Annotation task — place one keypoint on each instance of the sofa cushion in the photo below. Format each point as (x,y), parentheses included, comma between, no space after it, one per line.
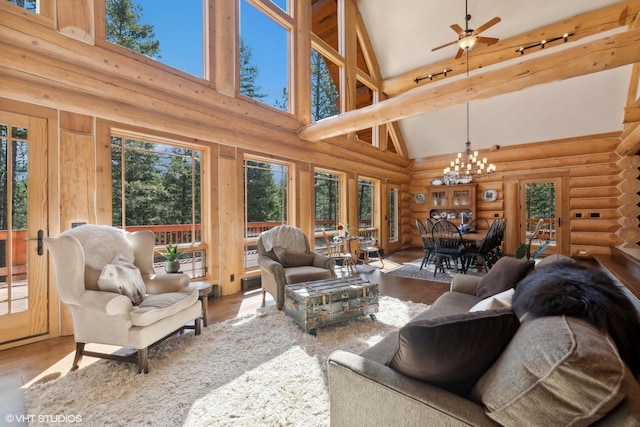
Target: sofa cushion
(293,259)
(555,371)
(449,303)
(550,259)
(504,274)
(501,300)
(568,288)
(124,278)
(156,307)
(452,352)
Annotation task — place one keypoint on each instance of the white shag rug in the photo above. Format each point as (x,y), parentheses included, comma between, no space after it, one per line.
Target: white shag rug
(257,370)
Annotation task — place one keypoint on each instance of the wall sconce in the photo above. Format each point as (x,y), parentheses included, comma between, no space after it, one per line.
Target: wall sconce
(542,43)
(431,76)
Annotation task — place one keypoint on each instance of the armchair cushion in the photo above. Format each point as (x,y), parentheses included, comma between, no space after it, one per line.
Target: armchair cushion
(159,306)
(124,278)
(305,273)
(452,352)
(293,259)
(505,274)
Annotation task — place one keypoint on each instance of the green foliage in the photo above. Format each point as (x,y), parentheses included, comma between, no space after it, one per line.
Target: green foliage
(124,28)
(172,253)
(327,198)
(30,5)
(540,200)
(324,93)
(248,74)
(365,202)
(265,196)
(161,184)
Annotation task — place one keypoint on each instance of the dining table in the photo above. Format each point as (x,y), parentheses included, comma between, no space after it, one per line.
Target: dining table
(474,237)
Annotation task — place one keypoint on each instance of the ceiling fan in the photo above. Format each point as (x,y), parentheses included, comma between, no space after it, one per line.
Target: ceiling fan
(468,37)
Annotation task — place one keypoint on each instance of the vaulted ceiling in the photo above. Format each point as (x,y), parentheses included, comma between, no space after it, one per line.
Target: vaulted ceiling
(403,34)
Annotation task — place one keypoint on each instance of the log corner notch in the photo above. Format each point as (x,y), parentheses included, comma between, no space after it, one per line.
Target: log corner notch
(629,232)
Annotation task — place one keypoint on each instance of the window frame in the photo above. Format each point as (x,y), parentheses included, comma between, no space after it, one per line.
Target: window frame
(251,241)
(190,248)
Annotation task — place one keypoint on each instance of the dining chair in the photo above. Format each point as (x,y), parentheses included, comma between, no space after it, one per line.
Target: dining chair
(500,230)
(485,250)
(424,230)
(448,245)
(479,224)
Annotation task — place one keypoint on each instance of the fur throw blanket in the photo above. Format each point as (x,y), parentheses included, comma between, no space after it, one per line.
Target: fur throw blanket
(574,290)
(286,236)
(101,244)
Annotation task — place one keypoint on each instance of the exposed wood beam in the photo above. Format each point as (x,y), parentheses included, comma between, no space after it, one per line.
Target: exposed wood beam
(630,143)
(583,25)
(631,114)
(590,57)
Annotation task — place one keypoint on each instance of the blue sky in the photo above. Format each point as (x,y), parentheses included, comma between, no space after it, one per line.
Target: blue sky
(180,32)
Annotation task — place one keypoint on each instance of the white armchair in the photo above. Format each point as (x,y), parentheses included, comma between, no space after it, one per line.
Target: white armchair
(97,274)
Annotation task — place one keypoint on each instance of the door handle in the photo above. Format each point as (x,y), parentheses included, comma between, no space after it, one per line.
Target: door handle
(40,240)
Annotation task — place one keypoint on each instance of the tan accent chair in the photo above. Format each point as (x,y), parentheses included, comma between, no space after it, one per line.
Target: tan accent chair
(109,317)
(285,258)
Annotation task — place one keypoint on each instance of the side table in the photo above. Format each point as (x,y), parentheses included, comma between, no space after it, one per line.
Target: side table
(204,289)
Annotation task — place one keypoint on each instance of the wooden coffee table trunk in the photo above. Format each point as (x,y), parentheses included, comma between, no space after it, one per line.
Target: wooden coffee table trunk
(324,302)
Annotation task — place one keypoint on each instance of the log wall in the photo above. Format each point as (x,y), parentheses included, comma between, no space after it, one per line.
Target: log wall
(600,187)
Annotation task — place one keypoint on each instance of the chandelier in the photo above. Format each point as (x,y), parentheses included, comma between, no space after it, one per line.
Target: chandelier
(467,166)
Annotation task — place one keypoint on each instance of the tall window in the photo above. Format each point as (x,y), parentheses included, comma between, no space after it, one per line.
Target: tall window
(157,186)
(393,215)
(174,38)
(264,56)
(266,201)
(324,90)
(327,200)
(366,207)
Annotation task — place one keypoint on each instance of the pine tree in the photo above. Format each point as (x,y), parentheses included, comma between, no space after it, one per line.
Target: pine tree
(248,74)
(264,198)
(324,93)
(124,28)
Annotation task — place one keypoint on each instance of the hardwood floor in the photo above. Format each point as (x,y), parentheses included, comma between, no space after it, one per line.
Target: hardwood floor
(42,361)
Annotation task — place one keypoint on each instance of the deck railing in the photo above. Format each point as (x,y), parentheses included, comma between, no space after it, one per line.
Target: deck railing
(174,234)
(547,230)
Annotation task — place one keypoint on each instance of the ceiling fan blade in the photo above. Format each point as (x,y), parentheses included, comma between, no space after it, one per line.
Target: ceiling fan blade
(444,45)
(459,53)
(487,40)
(487,24)
(458,29)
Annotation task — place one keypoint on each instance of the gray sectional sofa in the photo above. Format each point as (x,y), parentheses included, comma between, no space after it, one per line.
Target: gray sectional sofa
(453,367)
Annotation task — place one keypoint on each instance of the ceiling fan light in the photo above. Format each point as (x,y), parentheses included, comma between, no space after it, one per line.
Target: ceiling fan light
(467,42)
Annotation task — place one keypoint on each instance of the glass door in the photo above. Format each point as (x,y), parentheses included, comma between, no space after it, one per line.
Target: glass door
(23,278)
(541,215)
